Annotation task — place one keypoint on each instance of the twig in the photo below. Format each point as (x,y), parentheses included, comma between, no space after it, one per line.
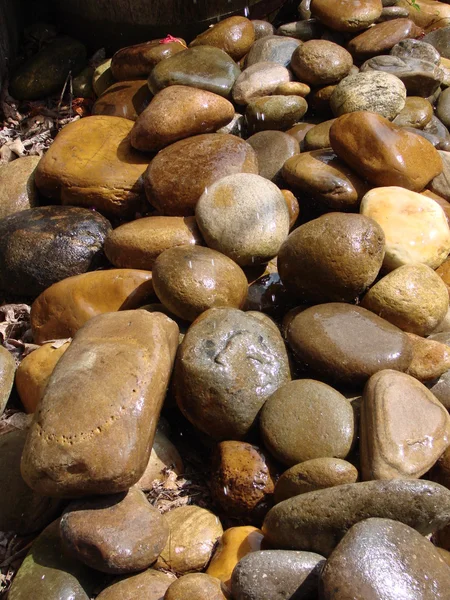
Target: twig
(68,78)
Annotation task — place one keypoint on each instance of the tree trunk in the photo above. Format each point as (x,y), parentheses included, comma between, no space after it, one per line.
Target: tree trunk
(9,35)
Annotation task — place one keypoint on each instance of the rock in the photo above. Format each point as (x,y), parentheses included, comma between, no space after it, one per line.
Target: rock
(127,99)
(299,131)
(203,67)
(120,533)
(228,364)
(306,30)
(235,35)
(277,574)
(197,585)
(380,558)
(440,473)
(293,207)
(41,246)
(411,297)
(17,188)
(272,48)
(320,62)
(104,173)
(164,456)
(45,73)
(417,113)
(138,61)
(179,112)
(48,573)
(331,340)
(382,37)
(340,15)
(193,534)
(411,48)
(415,226)
(150,584)
(103,77)
(444,273)
(431,359)
(393,12)
(274,112)
(441,183)
(404,428)
(441,389)
(318,520)
(443,107)
(260,79)
(307,419)
(273,149)
(67,305)
(314,474)
(235,127)
(80,450)
(256,214)
(262,28)
(439,39)
(82,84)
(21,509)
(191,279)
(317,264)
(318,137)
(373,91)
(7,371)
(234,544)
(179,174)
(293,88)
(429,16)
(326,178)
(34,371)
(242,480)
(402,158)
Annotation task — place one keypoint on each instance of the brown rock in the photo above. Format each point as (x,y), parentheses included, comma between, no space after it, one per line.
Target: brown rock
(299,132)
(104,172)
(150,584)
(318,137)
(179,174)
(431,358)
(293,207)
(125,99)
(341,15)
(197,585)
(103,77)
(275,112)
(260,79)
(235,35)
(383,153)
(67,305)
(417,113)
(100,442)
(273,149)
(179,112)
(432,14)
(319,100)
(404,428)
(442,203)
(320,62)
(444,273)
(7,371)
(293,88)
(17,188)
(440,473)
(164,456)
(382,37)
(134,62)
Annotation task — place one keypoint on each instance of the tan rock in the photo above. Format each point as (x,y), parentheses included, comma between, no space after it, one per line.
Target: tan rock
(382,37)
(94,427)
(164,456)
(293,88)
(318,136)
(444,273)
(125,99)
(299,132)
(275,112)
(273,149)
(65,306)
(260,79)
(341,15)
(134,62)
(149,584)
(293,207)
(235,35)
(320,62)
(431,358)
(197,585)
(417,113)
(432,14)
(17,188)
(103,77)
(7,371)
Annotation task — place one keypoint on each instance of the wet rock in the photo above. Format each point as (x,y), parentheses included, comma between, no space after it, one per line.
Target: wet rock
(320,62)
(411,48)
(164,456)
(150,584)
(82,84)
(275,112)
(197,585)
(382,37)
(272,48)
(340,15)
(417,113)
(439,39)
(235,35)
(103,77)
(443,107)
(7,370)
(137,62)
(17,188)
(260,79)
(273,149)
(127,99)
(308,29)
(431,358)
(262,28)
(318,137)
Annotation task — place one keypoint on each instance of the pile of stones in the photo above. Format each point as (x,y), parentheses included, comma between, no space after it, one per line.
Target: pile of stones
(250,233)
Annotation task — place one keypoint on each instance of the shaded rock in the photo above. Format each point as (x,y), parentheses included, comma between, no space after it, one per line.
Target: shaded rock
(441,183)
(137,62)
(103,77)
(439,39)
(7,370)
(127,99)
(318,137)
(82,83)
(301,30)
(164,456)
(273,149)
(17,188)
(235,35)
(272,48)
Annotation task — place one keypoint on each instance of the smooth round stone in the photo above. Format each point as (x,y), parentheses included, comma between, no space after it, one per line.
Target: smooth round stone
(382,37)
(341,15)
(179,112)
(437,128)
(443,107)
(45,73)
(272,48)
(82,84)
(439,39)
(164,457)
(235,35)
(103,77)
(318,137)
(193,533)
(314,474)
(431,359)
(17,188)
(376,92)
(190,279)
(293,88)
(319,100)
(317,521)
(293,207)
(320,62)
(440,473)
(256,215)
(150,584)
(444,273)
(421,78)
(411,48)
(47,572)
(235,543)
(273,149)
(331,340)
(381,558)
(260,79)
(125,99)
(228,364)
(415,226)
(326,178)
(392,12)
(41,246)
(262,28)
(404,428)
(115,534)
(196,585)
(280,574)
(275,112)
(137,62)
(203,67)
(304,30)
(384,154)
(441,183)
(317,265)
(63,308)
(136,245)
(242,480)
(416,113)
(180,173)
(103,172)
(412,297)
(299,132)
(34,372)
(307,419)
